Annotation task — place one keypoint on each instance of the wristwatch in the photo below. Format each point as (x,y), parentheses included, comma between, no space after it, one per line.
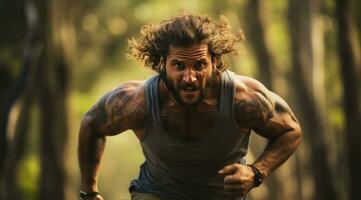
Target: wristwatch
(86,195)
(258,177)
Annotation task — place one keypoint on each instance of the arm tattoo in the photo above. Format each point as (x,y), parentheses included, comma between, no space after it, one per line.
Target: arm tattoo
(267,115)
(127,110)
(252,111)
(119,110)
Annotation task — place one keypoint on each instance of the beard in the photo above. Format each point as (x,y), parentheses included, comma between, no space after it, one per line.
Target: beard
(200,85)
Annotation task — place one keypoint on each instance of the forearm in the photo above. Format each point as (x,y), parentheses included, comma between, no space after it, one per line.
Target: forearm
(90,151)
(277,151)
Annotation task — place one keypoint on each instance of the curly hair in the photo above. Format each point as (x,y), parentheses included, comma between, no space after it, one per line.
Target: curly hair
(183,30)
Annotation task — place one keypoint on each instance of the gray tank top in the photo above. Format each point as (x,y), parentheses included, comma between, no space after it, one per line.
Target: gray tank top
(178,170)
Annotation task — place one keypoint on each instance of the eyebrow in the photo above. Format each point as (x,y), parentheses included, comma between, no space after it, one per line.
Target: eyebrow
(173,60)
(176,60)
(202,60)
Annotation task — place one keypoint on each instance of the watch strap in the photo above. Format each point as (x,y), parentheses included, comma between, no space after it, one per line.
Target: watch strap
(258,177)
(86,195)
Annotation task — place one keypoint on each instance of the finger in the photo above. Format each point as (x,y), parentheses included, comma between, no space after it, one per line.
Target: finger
(232,179)
(233,188)
(229,169)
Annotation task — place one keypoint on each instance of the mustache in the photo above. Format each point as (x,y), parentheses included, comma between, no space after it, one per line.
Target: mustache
(189,85)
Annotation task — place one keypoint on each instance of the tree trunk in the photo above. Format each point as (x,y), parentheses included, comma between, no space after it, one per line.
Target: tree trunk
(53,91)
(23,90)
(310,114)
(347,41)
(54,129)
(18,145)
(16,152)
(257,36)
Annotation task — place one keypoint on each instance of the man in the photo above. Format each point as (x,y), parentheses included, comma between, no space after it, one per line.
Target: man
(193,119)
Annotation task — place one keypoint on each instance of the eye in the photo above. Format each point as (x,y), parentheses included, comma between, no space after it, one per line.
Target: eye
(199,66)
(179,66)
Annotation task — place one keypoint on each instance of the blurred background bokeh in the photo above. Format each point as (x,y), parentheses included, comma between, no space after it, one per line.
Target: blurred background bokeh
(58,57)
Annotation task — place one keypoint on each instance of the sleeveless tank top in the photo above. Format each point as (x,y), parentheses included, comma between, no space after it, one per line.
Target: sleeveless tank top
(179,170)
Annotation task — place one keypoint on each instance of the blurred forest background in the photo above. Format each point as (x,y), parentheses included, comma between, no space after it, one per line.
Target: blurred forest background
(57,57)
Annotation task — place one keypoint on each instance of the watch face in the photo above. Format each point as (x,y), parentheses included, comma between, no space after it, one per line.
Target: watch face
(259,180)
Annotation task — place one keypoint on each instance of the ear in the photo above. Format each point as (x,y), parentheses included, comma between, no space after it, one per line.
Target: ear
(162,63)
(215,61)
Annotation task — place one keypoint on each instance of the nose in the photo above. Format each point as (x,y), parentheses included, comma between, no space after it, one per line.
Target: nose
(189,76)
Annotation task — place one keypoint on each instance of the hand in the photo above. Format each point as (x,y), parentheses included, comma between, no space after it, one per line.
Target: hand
(98,197)
(237,178)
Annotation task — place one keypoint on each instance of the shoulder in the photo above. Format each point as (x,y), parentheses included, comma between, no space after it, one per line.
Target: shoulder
(130,93)
(248,89)
(120,109)
(254,103)
(262,110)
(248,84)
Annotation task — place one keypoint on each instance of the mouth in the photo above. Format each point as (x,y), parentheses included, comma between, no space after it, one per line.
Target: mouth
(189,89)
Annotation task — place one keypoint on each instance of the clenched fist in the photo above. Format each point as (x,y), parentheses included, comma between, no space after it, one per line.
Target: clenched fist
(237,178)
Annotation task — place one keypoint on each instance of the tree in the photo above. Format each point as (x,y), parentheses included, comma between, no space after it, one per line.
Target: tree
(58,32)
(256,34)
(311,118)
(43,81)
(347,43)
(22,92)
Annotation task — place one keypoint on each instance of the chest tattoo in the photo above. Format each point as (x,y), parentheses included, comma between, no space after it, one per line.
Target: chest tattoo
(188,125)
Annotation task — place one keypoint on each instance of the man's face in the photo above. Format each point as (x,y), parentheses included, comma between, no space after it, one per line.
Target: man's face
(188,73)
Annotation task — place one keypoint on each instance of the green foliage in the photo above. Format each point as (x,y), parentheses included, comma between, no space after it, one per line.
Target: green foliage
(29,176)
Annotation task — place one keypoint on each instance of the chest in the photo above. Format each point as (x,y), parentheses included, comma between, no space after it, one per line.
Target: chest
(188,125)
(194,139)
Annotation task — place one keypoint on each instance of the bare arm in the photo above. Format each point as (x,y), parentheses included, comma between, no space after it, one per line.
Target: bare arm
(115,112)
(274,120)
(269,116)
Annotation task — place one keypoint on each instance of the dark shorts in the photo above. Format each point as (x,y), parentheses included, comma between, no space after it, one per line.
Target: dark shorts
(143,196)
(137,194)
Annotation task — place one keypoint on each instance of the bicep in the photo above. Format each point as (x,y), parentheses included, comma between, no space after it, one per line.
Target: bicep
(280,118)
(125,109)
(102,116)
